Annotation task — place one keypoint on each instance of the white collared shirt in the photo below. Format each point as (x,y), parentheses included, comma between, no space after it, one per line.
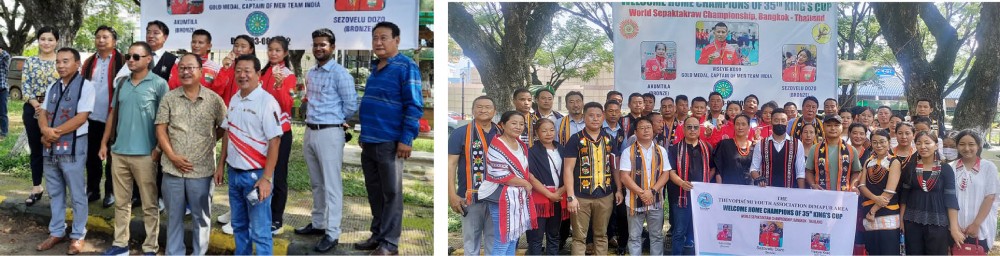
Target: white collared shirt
(800,158)
(977,185)
(647,155)
(251,122)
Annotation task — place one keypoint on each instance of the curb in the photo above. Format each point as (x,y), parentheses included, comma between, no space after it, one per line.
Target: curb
(219,242)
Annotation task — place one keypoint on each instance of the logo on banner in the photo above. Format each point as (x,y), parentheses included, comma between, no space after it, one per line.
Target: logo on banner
(628,28)
(704,200)
(821,33)
(724,87)
(257,23)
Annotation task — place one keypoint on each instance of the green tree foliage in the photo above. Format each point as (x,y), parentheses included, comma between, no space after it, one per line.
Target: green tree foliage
(573,50)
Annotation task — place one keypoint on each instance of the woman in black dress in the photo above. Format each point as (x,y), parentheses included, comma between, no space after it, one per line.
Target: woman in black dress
(545,166)
(880,205)
(733,156)
(929,203)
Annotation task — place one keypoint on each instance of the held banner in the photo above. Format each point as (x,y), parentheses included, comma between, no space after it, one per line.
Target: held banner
(750,220)
(350,20)
(777,51)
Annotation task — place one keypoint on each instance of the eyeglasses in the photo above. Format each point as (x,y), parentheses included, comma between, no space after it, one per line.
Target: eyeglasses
(134,57)
(692,127)
(191,68)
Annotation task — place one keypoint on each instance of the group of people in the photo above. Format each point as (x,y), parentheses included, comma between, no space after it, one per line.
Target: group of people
(594,173)
(148,121)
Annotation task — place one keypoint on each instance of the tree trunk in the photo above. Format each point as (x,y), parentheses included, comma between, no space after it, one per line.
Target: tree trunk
(16,35)
(504,66)
(977,107)
(66,16)
(905,41)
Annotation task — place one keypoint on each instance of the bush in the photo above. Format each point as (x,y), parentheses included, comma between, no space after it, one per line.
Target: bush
(360,74)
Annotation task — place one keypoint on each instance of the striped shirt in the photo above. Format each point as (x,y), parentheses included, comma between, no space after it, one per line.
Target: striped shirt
(4,63)
(392,103)
(331,94)
(252,121)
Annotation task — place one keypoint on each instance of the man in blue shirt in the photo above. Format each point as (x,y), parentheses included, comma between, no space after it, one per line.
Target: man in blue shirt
(392,106)
(332,98)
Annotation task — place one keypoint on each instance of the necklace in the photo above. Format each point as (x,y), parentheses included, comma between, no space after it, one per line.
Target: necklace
(740,150)
(927,184)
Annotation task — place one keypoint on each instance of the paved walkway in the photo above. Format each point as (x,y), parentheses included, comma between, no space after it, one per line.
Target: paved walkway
(417,237)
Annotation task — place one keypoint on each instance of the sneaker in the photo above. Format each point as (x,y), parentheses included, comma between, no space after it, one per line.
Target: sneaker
(161,205)
(224,218)
(276,230)
(228,228)
(115,250)
(187,212)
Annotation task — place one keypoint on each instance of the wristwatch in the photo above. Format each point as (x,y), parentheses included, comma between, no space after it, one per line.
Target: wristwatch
(569,199)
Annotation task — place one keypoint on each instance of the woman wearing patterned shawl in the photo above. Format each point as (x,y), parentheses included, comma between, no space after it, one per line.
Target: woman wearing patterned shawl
(506,188)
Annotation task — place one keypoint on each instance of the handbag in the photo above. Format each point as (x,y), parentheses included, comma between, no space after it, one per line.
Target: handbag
(968,249)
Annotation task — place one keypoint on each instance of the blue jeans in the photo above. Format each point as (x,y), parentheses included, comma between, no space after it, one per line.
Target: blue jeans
(500,248)
(683,236)
(4,122)
(250,222)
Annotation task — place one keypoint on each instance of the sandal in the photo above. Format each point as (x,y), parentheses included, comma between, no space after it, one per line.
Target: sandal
(33,198)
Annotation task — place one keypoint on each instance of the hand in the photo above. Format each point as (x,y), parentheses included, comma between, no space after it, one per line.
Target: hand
(881,201)
(264,186)
(228,61)
(870,216)
(49,135)
(347,127)
(573,206)
(182,163)
(103,153)
(816,187)
(403,151)
(619,199)
(527,186)
(155,155)
(957,236)
(279,75)
(972,231)
(554,197)
(647,197)
(456,204)
(687,186)
(561,191)
(219,177)
(762,184)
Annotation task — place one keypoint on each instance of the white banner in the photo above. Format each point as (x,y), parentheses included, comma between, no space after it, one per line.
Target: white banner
(750,220)
(777,51)
(350,20)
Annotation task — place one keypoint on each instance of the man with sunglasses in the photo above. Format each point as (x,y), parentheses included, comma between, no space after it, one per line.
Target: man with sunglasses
(100,69)
(133,109)
(691,160)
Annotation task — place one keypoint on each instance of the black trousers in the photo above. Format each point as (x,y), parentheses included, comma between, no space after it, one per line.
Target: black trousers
(281,181)
(548,228)
(34,143)
(384,183)
(926,239)
(882,242)
(618,226)
(95,167)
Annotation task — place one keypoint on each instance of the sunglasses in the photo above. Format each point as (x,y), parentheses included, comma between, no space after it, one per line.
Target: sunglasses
(134,57)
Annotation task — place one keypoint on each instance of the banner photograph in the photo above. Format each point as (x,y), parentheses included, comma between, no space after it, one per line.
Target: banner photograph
(351,20)
(748,220)
(780,49)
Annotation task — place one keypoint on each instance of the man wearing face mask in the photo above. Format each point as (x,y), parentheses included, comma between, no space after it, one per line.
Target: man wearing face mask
(777,166)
